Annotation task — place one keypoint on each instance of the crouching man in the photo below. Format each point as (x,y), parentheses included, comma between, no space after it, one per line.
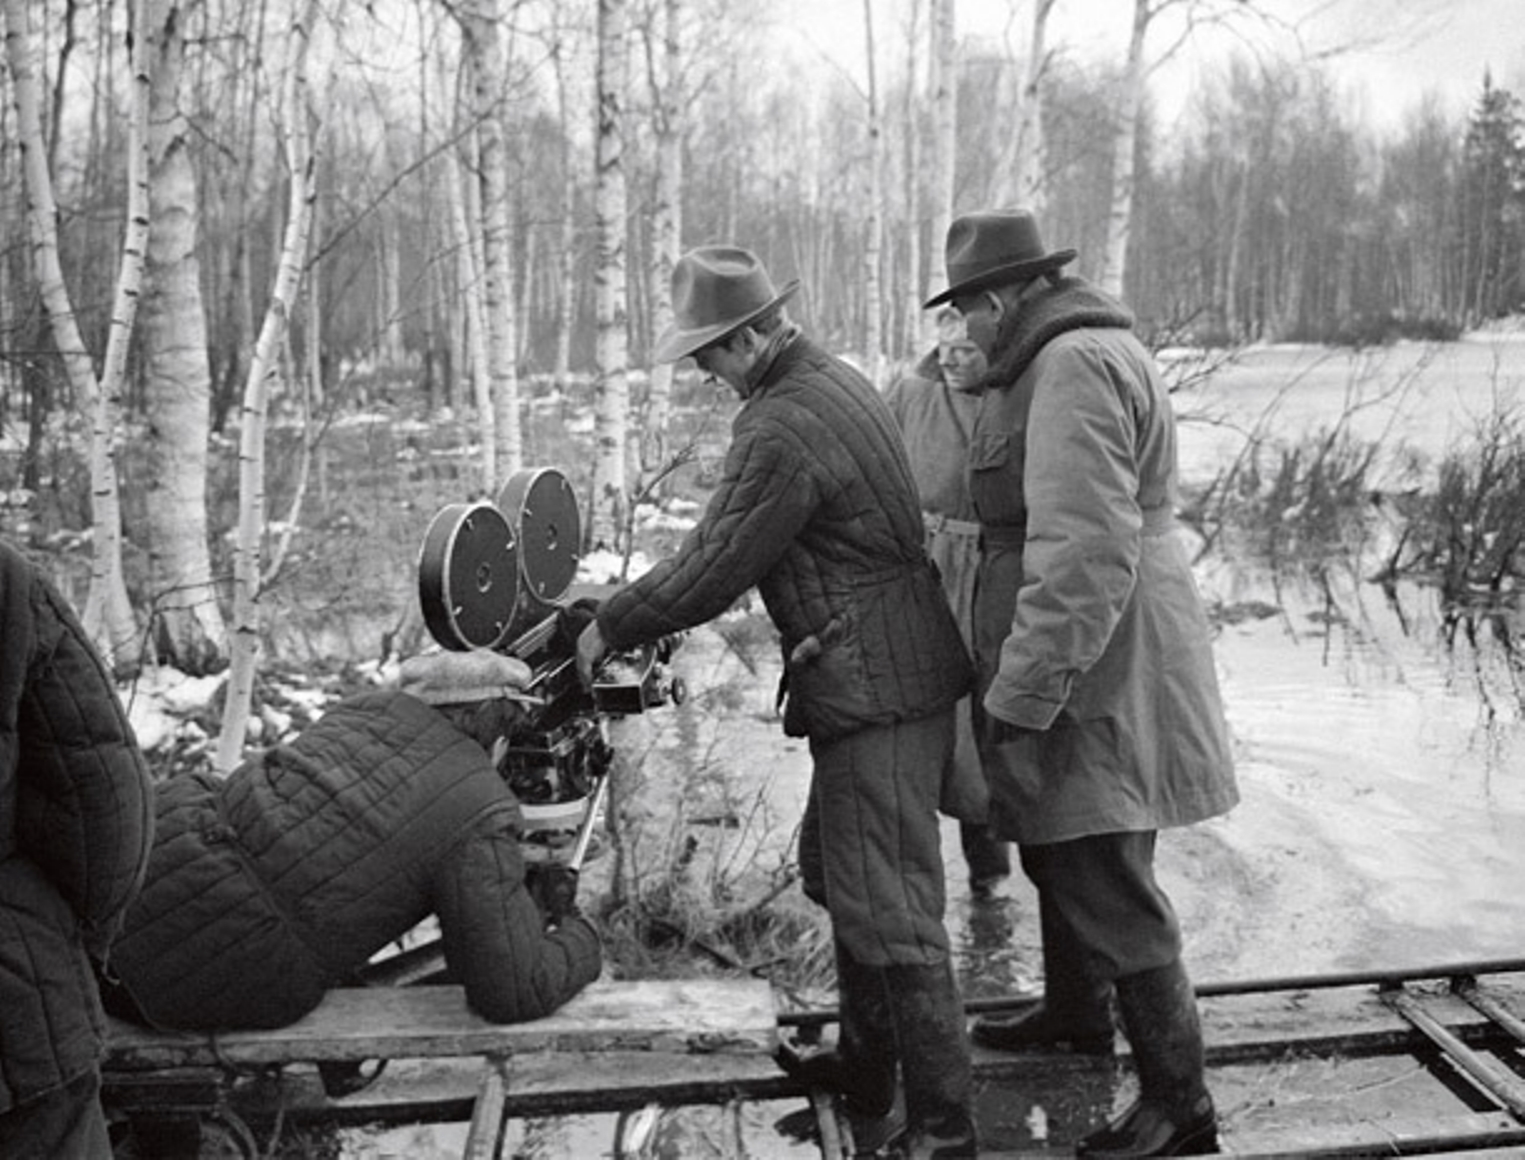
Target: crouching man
(271,886)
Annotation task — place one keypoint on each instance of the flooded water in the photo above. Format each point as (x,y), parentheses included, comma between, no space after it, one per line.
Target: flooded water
(1382,772)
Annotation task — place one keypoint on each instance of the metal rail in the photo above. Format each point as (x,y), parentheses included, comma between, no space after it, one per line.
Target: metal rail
(1491,1077)
(1489,1004)
(1380,976)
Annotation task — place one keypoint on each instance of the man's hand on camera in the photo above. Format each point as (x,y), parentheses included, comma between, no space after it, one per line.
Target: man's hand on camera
(591,649)
(554,889)
(572,619)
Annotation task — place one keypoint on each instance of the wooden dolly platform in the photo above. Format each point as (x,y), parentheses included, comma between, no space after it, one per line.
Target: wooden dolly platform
(187,1079)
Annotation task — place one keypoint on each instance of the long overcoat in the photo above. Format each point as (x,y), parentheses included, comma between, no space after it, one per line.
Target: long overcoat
(1089,630)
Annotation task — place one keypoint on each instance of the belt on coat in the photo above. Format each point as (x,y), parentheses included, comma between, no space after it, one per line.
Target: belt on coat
(946,526)
(1157,521)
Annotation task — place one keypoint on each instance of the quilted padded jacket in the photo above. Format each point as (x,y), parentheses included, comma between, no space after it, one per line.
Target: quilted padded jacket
(818,509)
(268,888)
(75,823)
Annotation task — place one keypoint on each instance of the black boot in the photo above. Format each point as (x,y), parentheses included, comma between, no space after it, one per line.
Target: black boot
(934,1060)
(1042,1028)
(864,1067)
(1076,1012)
(1173,1115)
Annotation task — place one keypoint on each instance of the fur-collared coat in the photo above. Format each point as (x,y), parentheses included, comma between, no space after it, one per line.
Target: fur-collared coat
(75,823)
(1089,630)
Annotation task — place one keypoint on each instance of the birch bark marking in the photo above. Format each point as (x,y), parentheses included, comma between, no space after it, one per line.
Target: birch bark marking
(479,25)
(612,389)
(1120,216)
(251,447)
(187,626)
(108,616)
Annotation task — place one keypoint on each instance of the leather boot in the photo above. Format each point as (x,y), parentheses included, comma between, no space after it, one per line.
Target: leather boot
(1173,1115)
(864,1067)
(934,1060)
(1075,1014)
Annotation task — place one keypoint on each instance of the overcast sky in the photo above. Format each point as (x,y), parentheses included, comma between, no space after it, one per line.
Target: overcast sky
(1388,53)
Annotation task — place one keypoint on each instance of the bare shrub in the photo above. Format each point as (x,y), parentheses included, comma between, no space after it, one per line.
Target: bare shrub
(1466,536)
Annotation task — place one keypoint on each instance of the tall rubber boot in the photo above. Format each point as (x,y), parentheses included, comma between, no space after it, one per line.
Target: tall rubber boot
(1075,1013)
(864,1067)
(934,1055)
(1173,1115)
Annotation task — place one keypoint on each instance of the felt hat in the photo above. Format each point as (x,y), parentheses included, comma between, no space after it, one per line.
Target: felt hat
(716,290)
(994,247)
(461,678)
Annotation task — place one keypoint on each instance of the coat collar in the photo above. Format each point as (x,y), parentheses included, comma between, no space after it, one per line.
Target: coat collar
(1068,304)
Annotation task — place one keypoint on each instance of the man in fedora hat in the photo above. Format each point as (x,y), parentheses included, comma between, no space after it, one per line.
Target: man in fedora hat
(817,508)
(1100,718)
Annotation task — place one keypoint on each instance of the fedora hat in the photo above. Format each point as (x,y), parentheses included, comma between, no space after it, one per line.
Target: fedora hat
(993,247)
(716,290)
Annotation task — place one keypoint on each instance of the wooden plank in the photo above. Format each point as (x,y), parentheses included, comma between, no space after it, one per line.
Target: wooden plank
(486,1132)
(1386,1136)
(696,1015)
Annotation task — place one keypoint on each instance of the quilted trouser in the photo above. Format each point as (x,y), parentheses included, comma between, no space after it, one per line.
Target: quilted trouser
(870,845)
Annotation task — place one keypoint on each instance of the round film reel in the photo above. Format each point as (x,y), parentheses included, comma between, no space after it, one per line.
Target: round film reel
(542,508)
(468,576)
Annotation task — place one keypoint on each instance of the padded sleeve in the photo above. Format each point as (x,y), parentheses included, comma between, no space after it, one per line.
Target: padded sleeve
(495,939)
(85,804)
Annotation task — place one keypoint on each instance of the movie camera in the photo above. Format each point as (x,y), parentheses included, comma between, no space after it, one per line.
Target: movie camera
(498,575)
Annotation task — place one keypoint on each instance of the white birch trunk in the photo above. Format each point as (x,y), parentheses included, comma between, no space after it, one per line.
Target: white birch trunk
(479,23)
(1031,158)
(479,363)
(612,389)
(251,450)
(1120,214)
(941,157)
(108,616)
(567,312)
(873,242)
(188,630)
(915,179)
(667,232)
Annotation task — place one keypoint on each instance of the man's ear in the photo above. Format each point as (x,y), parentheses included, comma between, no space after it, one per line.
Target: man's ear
(997,304)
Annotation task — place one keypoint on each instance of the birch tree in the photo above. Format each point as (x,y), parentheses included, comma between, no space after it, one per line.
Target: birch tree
(943,82)
(566,313)
(108,616)
(479,361)
(239,694)
(187,628)
(612,388)
(1029,163)
(668,100)
(480,21)
(1192,14)
(911,334)
(873,227)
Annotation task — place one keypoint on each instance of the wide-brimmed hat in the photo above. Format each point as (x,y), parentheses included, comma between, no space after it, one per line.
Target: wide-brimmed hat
(716,290)
(994,247)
